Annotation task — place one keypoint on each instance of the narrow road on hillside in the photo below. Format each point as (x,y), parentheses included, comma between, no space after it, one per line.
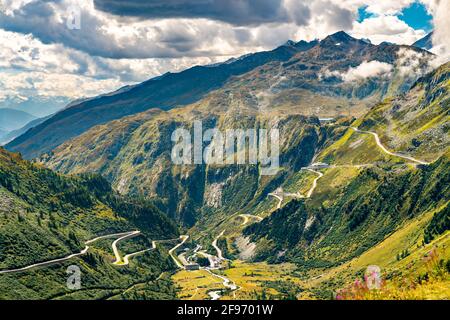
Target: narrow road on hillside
(171,252)
(214,264)
(314,186)
(227,283)
(247,218)
(277,196)
(378,141)
(214,244)
(56,261)
(119,261)
(215,295)
(116,251)
(126,258)
(282,195)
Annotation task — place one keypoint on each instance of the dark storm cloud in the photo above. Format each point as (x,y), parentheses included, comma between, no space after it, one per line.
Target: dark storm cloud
(40,19)
(46,20)
(236,12)
(252,23)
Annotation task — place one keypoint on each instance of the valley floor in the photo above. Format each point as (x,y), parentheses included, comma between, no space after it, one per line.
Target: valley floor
(410,268)
(420,275)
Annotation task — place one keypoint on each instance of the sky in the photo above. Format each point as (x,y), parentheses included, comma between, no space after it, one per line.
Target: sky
(56,51)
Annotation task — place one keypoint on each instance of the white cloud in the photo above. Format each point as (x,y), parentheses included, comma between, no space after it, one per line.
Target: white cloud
(387,7)
(377,7)
(367,70)
(386,28)
(128,51)
(109,36)
(24,57)
(53,85)
(441,35)
(411,62)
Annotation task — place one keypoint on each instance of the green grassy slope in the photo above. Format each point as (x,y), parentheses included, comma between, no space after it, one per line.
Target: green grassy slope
(416,123)
(354,208)
(411,268)
(44,216)
(134,153)
(360,215)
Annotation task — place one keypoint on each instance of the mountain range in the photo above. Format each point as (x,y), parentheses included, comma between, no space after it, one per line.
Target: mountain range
(46,216)
(425,43)
(11,119)
(302,64)
(8,136)
(134,152)
(363,181)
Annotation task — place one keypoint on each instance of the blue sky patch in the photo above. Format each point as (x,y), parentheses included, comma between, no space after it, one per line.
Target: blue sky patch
(417,17)
(363,14)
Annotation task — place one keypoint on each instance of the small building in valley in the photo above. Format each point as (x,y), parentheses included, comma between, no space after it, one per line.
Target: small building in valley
(192,267)
(319,165)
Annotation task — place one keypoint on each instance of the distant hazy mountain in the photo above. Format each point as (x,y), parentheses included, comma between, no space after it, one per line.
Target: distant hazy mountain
(38,106)
(165,92)
(11,119)
(9,136)
(425,43)
(2,133)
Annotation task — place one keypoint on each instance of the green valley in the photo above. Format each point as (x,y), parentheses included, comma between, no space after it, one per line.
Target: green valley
(45,216)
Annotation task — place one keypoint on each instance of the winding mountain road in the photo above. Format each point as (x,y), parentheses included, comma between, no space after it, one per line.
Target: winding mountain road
(382,147)
(119,260)
(247,218)
(126,258)
(215,295)
(59,260)
(320,175)
(314,186)
(277,196)
(171,251)
(214,244)
(227,283)
(281,196)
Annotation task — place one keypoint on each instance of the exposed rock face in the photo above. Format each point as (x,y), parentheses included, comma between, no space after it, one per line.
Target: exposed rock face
(213,195)
(246,248)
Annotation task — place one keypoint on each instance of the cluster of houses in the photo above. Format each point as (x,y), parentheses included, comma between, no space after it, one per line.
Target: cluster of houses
(214,262)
